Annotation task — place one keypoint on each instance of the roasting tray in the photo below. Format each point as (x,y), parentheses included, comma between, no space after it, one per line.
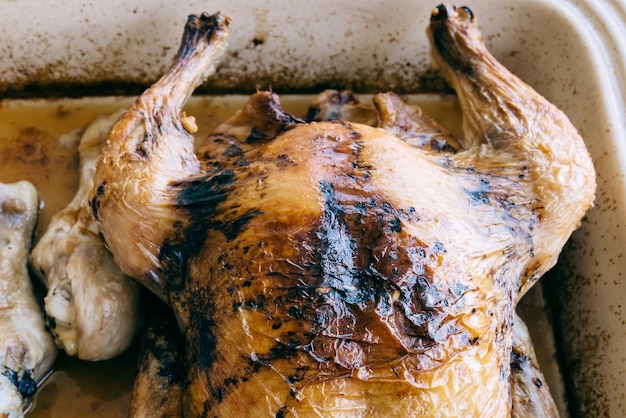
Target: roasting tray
(571,51)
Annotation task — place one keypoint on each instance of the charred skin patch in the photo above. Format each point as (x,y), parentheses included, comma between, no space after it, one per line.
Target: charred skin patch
(347,287)
(204,342)
(444,42)
(519,360)
(94,203)
(161,341)
(358,282)
(199,199)
(25,384)
(201,28)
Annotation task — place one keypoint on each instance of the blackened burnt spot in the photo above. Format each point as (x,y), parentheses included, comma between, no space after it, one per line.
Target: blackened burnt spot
(206,408)
(295,312)
(200,29)
(396,225)
(442,145)
(205,192)
(233,228)
(282,351)
(519,360)
(25,384)
(170,370)
(161,340)
(448,49)
(218,394)
(94,203)
(173,265)
(256,136)
(337,249)
(202,340)
(198,198)
(480,193)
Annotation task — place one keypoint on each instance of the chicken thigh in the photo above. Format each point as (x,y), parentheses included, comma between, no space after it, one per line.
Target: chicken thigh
(334,268)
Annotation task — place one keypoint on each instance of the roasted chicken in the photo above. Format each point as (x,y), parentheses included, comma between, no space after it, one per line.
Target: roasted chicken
(92,308)
(27,350)
(334,268)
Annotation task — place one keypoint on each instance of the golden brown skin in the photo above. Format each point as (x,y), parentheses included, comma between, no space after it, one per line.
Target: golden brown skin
(530,394)
(157,391)
(147,148)
(333,268)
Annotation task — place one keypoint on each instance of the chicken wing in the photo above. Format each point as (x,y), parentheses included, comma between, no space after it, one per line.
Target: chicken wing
(332,268)
(92,308)
(27,350)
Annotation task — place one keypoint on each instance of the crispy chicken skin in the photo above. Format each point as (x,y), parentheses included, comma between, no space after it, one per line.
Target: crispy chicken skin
(92,308)
(530,394)
(334,268)
(27,350)
(147,148)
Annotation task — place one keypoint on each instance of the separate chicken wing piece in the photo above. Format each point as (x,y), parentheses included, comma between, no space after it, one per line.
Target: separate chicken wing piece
(333,269)
(157,391)
(27,350)
(93,309)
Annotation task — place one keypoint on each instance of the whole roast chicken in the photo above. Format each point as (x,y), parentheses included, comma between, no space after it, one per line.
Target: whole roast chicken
(333,268)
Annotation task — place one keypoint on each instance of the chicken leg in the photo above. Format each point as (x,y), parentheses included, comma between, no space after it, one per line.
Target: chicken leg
(27,350)
(334,269)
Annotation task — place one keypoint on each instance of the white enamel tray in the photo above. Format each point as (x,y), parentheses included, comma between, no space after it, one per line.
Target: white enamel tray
(571,51)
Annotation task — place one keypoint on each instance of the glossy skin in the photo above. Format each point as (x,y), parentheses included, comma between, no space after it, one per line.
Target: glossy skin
(337,269)
(530,394)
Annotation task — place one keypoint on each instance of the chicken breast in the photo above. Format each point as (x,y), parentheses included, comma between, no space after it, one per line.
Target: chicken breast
(92,307)
(334,268)
(27,350)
